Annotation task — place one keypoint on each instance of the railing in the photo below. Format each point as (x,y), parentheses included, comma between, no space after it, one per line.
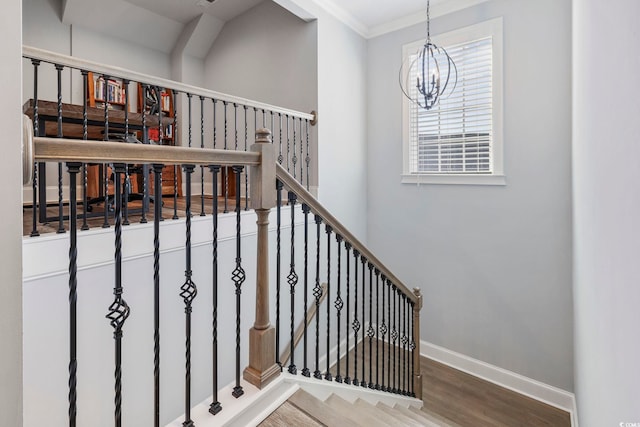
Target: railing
(389,356)
(207,119)
(367,331)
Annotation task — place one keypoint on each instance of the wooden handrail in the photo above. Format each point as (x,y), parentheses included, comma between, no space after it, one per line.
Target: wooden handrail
(72,150)
(307,198)
(122,73)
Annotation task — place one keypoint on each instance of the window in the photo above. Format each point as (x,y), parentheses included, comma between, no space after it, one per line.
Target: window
(459,141)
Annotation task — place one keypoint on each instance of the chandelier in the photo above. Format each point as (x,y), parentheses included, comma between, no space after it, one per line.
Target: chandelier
(426,76)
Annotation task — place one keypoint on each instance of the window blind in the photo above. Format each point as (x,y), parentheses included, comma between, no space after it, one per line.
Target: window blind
(455,136)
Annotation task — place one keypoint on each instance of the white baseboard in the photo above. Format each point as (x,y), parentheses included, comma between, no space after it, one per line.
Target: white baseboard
(510,380)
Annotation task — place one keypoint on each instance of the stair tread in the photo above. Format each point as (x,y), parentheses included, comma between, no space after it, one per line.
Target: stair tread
(399,416)
(376,412)
(318,410)
(443,421)
(289,415)
(346,409)
(421,418)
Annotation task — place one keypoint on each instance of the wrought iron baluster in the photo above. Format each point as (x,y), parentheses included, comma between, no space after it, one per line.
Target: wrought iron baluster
(301,154)
(292,279)
(307,159)
(215,406)
(73,169)
(145,168)
(188,292)
(176,169)
(280,156)
(235,129)
(294,158)
(36,131)
(60,230)
(85,128)
(383,332)
(389,389)
(157,213)
(394,337)
(288,143)
(118,310)
(238,277)
(246,170)
(363,260)
(317,293)
(356,323)
(105,174)
(264,119)
(404,343)
(399,346)
(347,246)
(329,230)
(339,304)
(278,266)
(377,273)
(225,184)
(371,331)
(305,210)
(202,146)
(413,349)
(127,180)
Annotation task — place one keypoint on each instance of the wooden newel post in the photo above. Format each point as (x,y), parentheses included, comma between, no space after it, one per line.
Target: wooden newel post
(262,367)
(417,376)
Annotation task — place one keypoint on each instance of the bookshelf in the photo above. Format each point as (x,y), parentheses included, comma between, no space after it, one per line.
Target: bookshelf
(115,92)
(164,135)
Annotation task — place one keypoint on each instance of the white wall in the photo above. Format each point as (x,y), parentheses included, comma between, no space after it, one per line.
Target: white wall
(493,263)
(11,224)
(606,203)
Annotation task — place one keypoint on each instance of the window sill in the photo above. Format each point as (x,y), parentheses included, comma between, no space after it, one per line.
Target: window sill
(454,179)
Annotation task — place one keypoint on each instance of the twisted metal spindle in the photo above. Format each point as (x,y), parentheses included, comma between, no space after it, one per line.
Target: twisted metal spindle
(328,230)
(188,292)
(306,210)
(307,159)
(363,260)
(404,343)
(389,287)
(202,146)
(157,208)
(85,129)
(356,323)
(413,350)
(225,184)
(394,337)
(73,169)
(118,310)
(246,170)
(383,332)
(288,142)
(215,406)
(238,277)
(176,169)
(317,293)
(105,174)
(292,279)
(371,331)
(36,131)
(127,180)
(61,229)
(294,158)
(339,304)
(377,273)
(145,168)
(280,156)
(347,246)
(278,266)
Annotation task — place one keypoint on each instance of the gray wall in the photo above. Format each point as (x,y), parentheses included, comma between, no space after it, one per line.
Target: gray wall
(11,224)
(606,204)
(494,263)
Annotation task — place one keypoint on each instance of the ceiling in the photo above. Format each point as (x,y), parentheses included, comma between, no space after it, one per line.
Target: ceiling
(186,10)
(161,24)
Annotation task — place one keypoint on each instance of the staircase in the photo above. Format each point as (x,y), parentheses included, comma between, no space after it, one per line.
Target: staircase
(302,408)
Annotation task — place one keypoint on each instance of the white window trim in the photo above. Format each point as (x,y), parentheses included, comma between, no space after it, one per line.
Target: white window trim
(491,28)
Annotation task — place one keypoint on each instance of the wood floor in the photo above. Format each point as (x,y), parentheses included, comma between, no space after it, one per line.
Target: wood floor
(458,397)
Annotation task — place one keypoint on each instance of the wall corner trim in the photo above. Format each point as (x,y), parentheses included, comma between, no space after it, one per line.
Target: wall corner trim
(542,392)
